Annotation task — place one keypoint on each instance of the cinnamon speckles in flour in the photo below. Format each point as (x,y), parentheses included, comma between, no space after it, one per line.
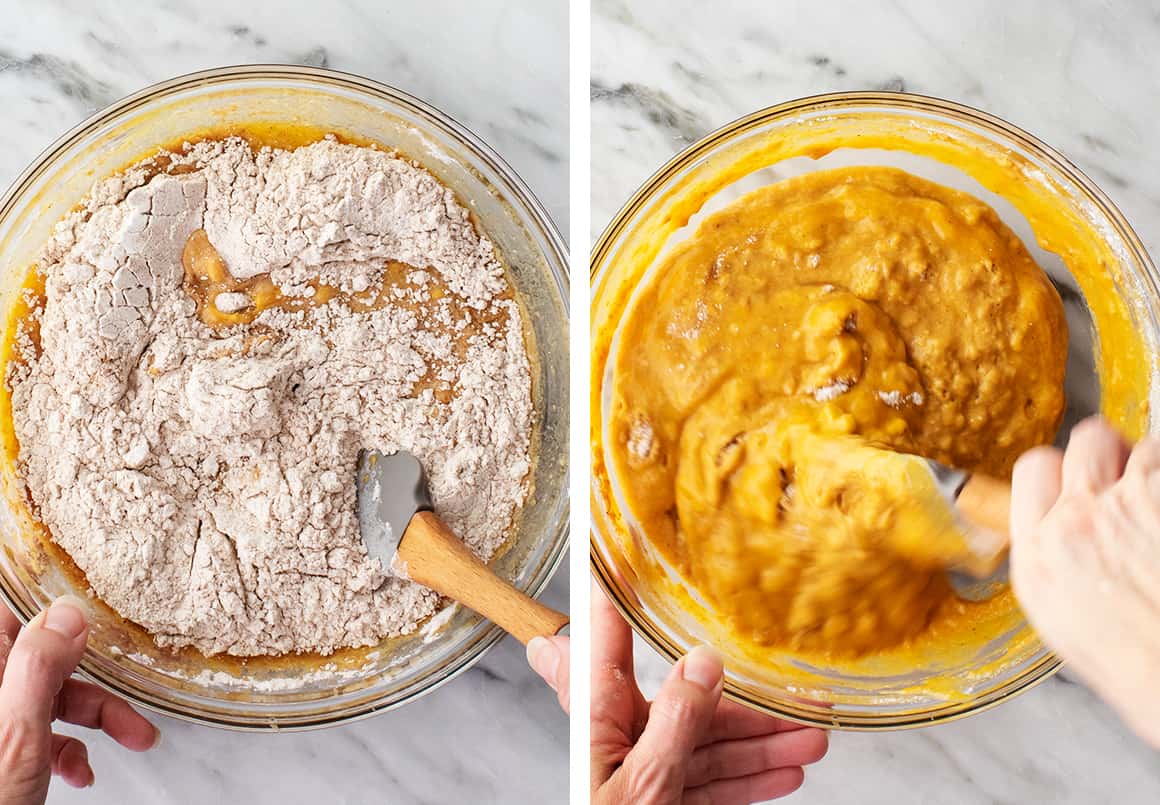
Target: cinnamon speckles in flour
(204,478)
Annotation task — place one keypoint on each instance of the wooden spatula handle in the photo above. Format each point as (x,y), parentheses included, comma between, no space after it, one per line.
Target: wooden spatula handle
(436,558)
(986,503)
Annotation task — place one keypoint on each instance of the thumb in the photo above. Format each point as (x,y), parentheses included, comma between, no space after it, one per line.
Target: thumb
(548,657)
(43,656)
(678,719)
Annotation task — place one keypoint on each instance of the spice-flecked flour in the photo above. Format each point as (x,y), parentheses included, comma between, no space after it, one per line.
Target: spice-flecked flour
(203,477)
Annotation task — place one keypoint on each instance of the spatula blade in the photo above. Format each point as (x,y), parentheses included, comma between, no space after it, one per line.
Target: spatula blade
(980,572)
(391,488)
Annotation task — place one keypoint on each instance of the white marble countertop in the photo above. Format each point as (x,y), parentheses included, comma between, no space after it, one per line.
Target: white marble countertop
(1080,75)
(495,734)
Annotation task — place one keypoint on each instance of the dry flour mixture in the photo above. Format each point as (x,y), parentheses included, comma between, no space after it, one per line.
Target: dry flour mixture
(222,330)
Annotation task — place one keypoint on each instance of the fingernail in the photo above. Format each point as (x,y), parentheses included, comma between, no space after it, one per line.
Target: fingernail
(544,657)
(156,737)
(66,617)
(704,667)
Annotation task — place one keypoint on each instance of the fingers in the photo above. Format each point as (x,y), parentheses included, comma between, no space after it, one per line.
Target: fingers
(616,702)
(43,656)
(1145,458)
(9,626)
(89,706)
(1095,457)
(743,790)
(70,761)
(733,721)
(548,657)
(679,717)
(611,648)
(618,709)
(1035,486)
(728,759)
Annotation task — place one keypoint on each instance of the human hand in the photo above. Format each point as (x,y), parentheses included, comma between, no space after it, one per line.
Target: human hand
(35,665)
(1085,563)
(549,657)
(688,745)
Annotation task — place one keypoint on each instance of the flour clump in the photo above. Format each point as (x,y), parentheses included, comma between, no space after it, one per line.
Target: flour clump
(190,436)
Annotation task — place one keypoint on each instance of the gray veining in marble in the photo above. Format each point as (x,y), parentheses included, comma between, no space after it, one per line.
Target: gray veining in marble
(1081,75)
(494,734)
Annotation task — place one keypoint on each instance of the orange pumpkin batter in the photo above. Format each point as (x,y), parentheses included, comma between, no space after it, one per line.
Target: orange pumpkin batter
(799,326)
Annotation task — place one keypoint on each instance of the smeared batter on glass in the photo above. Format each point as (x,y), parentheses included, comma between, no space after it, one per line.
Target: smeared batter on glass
(860,302)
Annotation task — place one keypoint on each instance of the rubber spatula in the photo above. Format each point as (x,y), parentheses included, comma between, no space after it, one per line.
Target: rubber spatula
(983,506)
(401,531)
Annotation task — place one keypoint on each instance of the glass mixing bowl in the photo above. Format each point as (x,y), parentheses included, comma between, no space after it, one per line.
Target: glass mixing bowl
(303,691)
(1065,221)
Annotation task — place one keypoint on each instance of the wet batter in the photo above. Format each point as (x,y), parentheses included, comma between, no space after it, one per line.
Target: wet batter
(800,326)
